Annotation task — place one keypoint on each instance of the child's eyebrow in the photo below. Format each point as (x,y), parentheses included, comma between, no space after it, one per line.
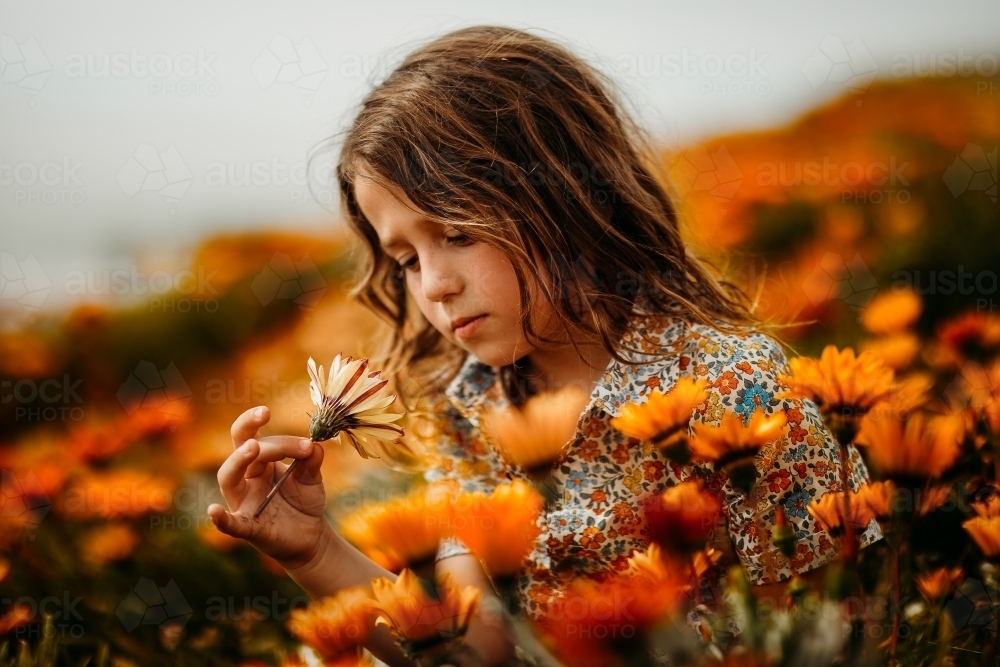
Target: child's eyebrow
(390,243)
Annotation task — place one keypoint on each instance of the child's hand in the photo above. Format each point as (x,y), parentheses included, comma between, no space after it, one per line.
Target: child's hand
(291,528)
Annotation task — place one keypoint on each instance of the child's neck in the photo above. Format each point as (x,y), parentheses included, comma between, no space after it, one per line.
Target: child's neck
(553,369)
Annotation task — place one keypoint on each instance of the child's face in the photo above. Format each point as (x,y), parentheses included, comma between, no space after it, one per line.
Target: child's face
(451,277)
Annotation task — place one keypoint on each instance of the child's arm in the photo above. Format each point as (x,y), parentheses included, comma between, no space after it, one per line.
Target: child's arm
(292,529)
(464,458)
(340,565)
(488,634)
(794,472)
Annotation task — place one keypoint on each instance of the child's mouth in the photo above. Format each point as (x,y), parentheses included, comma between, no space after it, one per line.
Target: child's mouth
(470,328)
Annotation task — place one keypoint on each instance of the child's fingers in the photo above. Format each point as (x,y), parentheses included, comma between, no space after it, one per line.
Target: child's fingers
(310,470)
(246,425)
(232,472)
(276,448)
(228,523)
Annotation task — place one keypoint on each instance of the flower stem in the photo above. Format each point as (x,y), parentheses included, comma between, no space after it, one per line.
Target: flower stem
(850,539)
(277,486)
(895,603)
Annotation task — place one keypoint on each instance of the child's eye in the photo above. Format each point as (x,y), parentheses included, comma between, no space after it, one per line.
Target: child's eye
(458,239)
(412,263)
(409,264)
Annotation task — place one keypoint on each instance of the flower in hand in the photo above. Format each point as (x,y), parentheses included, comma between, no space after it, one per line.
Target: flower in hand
(351,401)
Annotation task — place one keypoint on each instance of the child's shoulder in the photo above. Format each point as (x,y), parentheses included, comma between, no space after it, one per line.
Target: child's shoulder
(721,350)
(680,347)
(664,347)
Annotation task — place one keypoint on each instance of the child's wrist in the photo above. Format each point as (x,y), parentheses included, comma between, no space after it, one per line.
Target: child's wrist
(302,566)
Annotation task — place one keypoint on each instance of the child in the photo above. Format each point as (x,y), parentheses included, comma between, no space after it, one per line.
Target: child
(518,241)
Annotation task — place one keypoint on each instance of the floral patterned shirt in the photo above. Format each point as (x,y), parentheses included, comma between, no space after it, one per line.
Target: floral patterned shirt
(602,475)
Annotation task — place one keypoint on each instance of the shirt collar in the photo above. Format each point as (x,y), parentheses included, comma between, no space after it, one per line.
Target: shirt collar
(476,387)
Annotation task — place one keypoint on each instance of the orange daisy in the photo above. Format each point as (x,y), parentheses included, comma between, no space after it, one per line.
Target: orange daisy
(733,445)
(336,626)
(940,583)
(892,312)
(596,622)
(402,531)
(985,531)
(990,503)
(681,518)
(878,497)
(109,542)
(914,448)
(422,617)
(839,382)
(828,511)
(971,334)
(532,437)
(500,528)
(664,416)
(896,351)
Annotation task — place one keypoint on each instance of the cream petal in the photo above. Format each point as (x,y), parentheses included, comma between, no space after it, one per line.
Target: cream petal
(337,383)
(375,403)
(369,413)
(311,367)
(381,434)
(381,418)
(363,385)
(374,390)
(315,395)
(335,368)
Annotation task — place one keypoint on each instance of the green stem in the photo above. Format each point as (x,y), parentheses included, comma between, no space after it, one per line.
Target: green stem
(895,606)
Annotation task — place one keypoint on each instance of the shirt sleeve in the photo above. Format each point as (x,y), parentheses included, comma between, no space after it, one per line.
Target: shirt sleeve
(796,470)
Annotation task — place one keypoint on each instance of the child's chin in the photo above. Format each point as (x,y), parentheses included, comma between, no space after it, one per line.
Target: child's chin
(488,354)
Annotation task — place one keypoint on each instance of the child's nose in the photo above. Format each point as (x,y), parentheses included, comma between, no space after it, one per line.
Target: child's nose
(439,281)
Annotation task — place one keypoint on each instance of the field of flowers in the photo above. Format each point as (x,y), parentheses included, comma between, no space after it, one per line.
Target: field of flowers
(871,225)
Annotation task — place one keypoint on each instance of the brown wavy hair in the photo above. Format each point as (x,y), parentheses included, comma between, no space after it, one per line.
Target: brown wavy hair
(517,142)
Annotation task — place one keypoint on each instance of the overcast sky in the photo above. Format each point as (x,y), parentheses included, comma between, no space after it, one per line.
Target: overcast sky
(124,127)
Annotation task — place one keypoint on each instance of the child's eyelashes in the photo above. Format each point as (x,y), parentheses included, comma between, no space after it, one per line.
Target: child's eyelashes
(459,239)
(412,264)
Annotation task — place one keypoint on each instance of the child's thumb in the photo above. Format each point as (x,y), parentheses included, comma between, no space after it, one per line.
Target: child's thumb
(227,523)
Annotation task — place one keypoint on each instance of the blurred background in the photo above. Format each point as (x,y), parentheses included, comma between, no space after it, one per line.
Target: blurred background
(168,260)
